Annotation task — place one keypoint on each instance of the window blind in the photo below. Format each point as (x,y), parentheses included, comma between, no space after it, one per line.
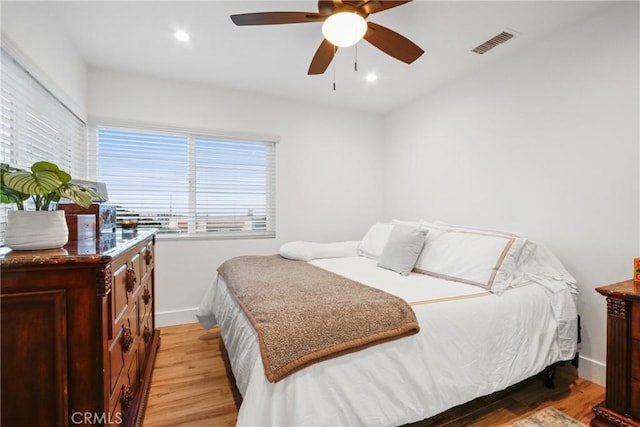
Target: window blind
(186,183)
(35,126)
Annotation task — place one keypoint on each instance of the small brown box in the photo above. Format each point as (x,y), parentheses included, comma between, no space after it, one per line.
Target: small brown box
(105,215)
(81,227)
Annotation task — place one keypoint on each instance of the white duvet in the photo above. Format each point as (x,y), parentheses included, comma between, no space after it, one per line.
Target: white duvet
(471,343)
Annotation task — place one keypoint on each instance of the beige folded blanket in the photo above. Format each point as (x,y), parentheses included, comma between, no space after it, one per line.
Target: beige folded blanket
(304,314)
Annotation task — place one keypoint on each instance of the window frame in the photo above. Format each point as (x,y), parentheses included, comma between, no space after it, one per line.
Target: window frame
(192,134)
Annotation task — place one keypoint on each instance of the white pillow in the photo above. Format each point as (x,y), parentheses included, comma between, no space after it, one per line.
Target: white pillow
(482,258)
(307,251)
(402,249)
(373,242)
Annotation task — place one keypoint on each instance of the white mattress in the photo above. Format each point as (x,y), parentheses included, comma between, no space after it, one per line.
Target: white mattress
(471,343)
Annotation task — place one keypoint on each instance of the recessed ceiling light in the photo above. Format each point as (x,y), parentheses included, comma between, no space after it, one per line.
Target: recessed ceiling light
(371,77)
(183,36)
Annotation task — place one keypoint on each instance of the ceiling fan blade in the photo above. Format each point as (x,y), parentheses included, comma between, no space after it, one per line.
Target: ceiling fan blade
(375,6)
(272,18)
(323,57)
(392,43)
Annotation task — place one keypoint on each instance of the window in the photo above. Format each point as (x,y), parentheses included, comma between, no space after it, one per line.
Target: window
(188,183)
(35,126)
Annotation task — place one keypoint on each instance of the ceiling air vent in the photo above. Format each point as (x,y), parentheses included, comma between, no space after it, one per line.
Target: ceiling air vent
(492,42)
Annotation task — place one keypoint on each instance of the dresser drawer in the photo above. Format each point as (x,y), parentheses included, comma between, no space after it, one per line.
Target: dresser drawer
(146,302)
(147,257)
(121,400)
(146,334)
(146,296)
(125,286)
(123,347)
(115,360)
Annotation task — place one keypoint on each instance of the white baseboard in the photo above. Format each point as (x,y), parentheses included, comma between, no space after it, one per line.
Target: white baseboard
(176,317)
(592,370)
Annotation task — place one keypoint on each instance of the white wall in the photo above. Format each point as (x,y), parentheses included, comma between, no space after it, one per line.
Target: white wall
(327,171)
(35,40)
(546,143)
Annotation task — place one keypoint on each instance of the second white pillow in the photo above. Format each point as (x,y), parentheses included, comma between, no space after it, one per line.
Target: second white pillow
(402,249)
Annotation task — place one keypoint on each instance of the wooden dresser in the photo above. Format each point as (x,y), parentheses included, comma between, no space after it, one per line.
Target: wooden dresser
(622,405)
(78,333)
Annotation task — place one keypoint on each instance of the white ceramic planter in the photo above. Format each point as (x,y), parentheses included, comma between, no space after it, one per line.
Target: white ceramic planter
(33,230)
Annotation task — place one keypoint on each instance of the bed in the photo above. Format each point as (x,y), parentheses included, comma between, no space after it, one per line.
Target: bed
(481,330)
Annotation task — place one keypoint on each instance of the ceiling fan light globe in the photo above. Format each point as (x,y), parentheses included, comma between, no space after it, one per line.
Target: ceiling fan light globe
(344,29)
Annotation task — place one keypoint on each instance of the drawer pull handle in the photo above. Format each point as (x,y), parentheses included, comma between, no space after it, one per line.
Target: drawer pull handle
(148,257)
(146,296)
(127,340)
(146,335)
(131,279)
(126,397)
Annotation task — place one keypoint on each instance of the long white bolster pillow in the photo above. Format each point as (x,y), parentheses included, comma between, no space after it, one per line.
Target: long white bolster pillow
(306,251)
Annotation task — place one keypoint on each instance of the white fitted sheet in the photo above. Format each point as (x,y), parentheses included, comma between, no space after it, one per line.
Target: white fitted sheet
(471,343)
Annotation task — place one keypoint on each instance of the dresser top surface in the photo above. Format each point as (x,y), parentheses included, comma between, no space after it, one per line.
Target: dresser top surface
(627,289)
(101,249)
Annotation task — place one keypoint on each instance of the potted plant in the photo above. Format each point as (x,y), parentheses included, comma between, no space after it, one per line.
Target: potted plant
(45,184)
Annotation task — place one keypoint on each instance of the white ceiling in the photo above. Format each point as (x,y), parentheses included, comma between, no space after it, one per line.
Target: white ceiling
(137,37)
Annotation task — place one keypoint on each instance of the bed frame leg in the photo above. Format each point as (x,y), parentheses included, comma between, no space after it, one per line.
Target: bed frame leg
(549,373)
(550,377)
(576,358)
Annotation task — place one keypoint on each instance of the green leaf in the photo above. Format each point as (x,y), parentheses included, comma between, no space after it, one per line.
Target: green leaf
(11,195)
(79,194)
(42,166)
(6,198)
(41,183)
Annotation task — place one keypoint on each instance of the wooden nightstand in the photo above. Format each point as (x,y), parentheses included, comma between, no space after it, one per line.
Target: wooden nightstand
(622,405)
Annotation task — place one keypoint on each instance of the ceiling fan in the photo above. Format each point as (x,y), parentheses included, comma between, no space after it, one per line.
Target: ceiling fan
(344,24)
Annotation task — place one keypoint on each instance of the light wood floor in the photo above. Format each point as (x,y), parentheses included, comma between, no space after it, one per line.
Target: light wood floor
(191,386)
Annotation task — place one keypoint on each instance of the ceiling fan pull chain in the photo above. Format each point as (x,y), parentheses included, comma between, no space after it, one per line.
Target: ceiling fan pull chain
(334,78)
(355,65)
(334,68)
